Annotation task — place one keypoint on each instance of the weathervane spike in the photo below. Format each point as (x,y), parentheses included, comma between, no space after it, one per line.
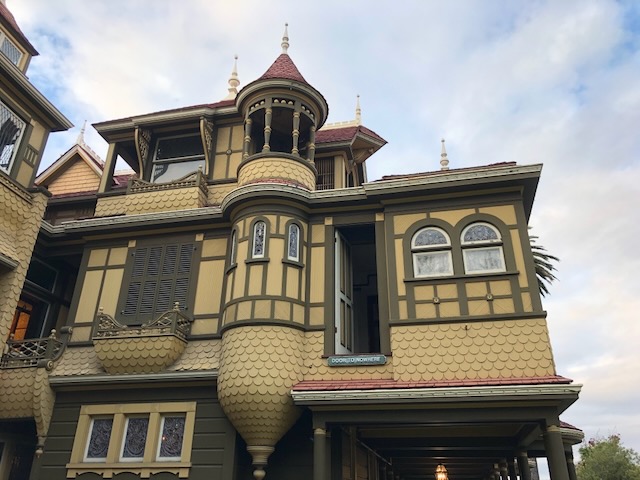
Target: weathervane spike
(285,38)
(444,161)
(233,80)
(358,111)
(80,139)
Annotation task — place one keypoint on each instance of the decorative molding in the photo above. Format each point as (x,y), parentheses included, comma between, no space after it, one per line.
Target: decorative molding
(206,134)
(35,352)
(143,146)
(193,179)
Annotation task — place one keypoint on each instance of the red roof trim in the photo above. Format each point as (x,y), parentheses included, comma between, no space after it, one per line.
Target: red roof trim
(344,134)
(329,385)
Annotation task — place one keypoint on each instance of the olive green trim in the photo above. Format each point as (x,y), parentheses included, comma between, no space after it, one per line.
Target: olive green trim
(470,276)
(329,289)
(134,379)
(205,336)
(392,272)
(353,219)
(257,260)
(532,279)
(77,289)
(383,287)
(247,298)
(222,181)
(498,317)
(260,323)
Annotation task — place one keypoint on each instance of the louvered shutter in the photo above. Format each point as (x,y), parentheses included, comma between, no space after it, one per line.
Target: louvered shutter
(159,277)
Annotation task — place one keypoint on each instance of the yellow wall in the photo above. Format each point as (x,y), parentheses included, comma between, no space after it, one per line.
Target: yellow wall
(79,177)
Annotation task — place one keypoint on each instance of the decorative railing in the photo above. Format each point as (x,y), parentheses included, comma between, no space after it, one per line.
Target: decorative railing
(194,179)
(35,352)
(170,322)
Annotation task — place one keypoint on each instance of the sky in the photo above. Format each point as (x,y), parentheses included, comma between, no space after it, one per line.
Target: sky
(552,82)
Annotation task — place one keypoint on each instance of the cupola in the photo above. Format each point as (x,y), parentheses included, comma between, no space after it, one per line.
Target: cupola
(282,113)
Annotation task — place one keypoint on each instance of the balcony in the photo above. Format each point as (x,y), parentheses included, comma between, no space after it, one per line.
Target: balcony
(147,348)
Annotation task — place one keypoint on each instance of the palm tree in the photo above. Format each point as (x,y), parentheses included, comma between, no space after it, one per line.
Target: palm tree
(544,263)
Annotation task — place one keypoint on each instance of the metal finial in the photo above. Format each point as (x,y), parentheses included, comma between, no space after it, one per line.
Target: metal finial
(80,139)
(233,80)
(358,111)
(444,161)
(285,38)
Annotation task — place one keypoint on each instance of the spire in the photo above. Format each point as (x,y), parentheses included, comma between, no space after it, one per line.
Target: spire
(80,139)
(358,111)
(233,80)
(444,161)
(285,39)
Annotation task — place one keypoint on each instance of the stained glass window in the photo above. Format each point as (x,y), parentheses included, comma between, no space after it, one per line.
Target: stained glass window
(170,447)
(480,253)
(99,439)
(135,438)
(259,233)
(234,240)
(294,242)
(431,249)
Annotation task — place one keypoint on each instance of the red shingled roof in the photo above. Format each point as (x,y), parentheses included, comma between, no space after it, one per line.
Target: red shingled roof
(344,134)
(284,68)
(11,21)
(330,385)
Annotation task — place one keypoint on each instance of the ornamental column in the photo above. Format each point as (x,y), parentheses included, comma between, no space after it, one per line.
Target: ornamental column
(555,453)
(523,465)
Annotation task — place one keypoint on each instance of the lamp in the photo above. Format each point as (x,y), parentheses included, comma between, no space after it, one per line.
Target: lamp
(441,473)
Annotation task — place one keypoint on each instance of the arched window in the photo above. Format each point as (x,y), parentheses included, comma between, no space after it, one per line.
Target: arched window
(431,250)
(233,250)
(482,249)
(259,239)
(293,244)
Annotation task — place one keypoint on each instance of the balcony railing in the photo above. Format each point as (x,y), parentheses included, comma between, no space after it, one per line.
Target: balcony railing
(35,352)
(170,322)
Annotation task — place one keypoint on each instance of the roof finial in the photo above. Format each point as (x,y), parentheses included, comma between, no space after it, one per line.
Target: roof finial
(233,80)
(358,111)
(444,161)
(285,38)
(80,139)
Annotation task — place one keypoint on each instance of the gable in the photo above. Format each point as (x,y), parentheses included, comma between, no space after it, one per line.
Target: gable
(77,177)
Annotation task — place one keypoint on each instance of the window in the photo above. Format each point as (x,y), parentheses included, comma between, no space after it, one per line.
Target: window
(11,129)
(234,248)
(259,239)
(10,49)
(431,251)
(325,167)
(177,157)
(142,438)
(158,276)
(482,249)
(293,243)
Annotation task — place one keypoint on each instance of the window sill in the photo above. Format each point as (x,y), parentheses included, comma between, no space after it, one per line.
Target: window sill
(257,260)
(293,263)
(144,470)
(468,276)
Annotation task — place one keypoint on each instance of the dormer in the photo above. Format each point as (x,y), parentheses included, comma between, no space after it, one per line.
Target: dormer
(14,45)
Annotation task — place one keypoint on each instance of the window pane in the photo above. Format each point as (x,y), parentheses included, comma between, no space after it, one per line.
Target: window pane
(484,260)
(480,232)
(258,239)
(431,264)
(135,437)
(180,147)
(99,438)
(234,240)
(294,232)
(171,439)
(11,51)
(11,128)
(429,237)
(168,172)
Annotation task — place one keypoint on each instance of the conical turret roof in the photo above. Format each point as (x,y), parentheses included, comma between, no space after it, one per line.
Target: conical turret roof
(284,68)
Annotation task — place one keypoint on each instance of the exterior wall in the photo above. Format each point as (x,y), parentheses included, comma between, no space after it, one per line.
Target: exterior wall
(78,177)
(213,448)
(20,220)
(150,202)
(228,152)
(277,168)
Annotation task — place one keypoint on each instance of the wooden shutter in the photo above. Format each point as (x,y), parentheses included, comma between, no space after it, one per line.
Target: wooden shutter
(159,277)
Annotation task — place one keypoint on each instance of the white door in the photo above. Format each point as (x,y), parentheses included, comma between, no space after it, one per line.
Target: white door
(344,297)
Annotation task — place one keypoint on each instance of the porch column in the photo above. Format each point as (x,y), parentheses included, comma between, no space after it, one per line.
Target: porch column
(319,454)
(296,130)
(267,129)
(555,453)
(512,469)
(109,168)
(571,466)
(523,465)
(504,472)
(247,137)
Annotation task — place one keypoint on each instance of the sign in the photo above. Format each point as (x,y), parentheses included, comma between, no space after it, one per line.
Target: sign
(355,360)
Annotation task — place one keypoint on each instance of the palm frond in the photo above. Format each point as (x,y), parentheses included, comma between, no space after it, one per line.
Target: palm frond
(545,265)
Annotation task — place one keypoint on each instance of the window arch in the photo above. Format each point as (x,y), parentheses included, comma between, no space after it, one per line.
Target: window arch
(482,248)
(259,243)
(431,252)
(293,242)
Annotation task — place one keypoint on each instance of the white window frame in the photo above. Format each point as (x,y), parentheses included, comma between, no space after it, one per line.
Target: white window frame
(290,257)
(5,38)
(124,439)
(11,114)
(421,251)
(492,244)
(86,449)
(175,160)
(255,236)
(169,459)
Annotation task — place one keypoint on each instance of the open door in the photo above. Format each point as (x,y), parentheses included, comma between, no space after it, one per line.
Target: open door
(344,297)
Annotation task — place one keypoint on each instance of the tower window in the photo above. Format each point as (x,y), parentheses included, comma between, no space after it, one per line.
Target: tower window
(482,249)
(325,167)
(293,244)
(259,239)
(177,157)
(10,50)
(431,251)
(11,130)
